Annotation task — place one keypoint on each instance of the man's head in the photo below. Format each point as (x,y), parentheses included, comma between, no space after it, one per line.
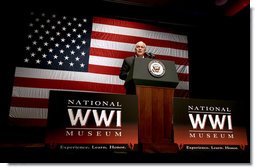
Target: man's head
(140,48)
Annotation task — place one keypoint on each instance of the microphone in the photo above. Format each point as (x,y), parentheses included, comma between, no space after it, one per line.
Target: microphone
(150,55)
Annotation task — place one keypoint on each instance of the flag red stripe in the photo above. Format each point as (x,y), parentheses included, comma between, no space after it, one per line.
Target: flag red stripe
(123,54)
(68,85)
(29,102)
(110,53)
(129,24)
(116,71)
(181,93)
(183,76)
(28,122)
(133,40)
(177,60)
(103,69)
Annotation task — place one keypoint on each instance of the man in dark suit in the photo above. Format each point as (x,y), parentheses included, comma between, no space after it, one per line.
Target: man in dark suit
(140,51)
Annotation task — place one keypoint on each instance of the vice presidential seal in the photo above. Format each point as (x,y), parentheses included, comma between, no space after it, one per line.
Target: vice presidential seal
(156,68)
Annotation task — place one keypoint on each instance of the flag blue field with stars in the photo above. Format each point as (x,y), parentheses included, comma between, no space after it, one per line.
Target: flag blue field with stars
(57,42)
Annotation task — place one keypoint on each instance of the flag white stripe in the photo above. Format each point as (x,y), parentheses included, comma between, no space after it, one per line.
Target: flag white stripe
(31,92)
(28,113)
(104,61)
(167,51)
(139,32)
(182,69)
(183,85)
(41,93)
(67,75)
(121,46)
(116,62)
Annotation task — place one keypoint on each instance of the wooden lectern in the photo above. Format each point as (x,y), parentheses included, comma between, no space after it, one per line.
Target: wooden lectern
(155,104)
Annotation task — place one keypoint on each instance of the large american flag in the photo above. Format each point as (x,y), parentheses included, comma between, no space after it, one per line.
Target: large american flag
(84,54)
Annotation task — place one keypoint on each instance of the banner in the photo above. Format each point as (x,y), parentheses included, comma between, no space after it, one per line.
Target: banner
(92,121)
(201,124)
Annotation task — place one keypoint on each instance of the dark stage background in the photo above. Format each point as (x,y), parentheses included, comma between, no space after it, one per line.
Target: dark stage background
(219,55)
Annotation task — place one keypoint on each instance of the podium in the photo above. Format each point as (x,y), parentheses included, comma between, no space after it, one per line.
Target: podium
(154,82)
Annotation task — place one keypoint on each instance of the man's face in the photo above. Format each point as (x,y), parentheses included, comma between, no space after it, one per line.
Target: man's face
(140,49)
